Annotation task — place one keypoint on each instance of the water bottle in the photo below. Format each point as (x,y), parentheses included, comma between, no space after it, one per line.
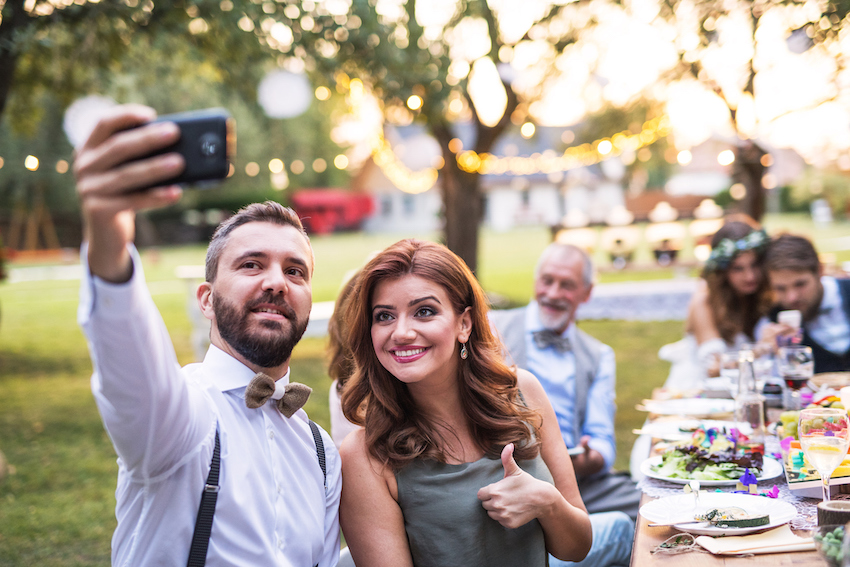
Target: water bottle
(749,406)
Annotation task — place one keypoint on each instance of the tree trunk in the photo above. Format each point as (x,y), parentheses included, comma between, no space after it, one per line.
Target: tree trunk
(463,209)
(14,21)
(749,171)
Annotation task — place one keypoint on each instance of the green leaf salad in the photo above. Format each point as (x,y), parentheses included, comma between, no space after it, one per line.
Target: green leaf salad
(711,454)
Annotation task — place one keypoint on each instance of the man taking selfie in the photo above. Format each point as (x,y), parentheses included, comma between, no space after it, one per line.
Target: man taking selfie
(230,427)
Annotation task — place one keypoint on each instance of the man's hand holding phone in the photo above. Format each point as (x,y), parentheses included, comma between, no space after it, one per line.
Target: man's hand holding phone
(109,175)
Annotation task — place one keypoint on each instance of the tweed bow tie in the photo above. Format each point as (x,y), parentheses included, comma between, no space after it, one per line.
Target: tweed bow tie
(547,338)
(261,388)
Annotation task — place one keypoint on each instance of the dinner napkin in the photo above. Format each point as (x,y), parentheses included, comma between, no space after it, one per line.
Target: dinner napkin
(778,540)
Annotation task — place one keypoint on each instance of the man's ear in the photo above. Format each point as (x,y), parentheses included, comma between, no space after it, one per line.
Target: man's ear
(204,296)
(465,324)
(587,293)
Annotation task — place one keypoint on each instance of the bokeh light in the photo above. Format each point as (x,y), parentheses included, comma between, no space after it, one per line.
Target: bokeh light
(726,157)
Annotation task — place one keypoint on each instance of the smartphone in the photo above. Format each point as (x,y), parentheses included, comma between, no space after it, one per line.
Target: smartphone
(207,143)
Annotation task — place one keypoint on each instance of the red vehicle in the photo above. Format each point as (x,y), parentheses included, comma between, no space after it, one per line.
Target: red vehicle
(328,210)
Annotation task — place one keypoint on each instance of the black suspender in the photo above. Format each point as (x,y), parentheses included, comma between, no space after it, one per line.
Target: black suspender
(320,450)
(203,525)
(206,511)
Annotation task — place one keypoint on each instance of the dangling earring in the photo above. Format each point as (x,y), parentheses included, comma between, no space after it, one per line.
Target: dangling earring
(463,352)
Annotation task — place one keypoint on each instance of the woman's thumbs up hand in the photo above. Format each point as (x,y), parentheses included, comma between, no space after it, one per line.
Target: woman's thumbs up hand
(519,497)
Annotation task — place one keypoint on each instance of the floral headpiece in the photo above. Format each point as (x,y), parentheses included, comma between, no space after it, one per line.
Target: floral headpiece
(727,249)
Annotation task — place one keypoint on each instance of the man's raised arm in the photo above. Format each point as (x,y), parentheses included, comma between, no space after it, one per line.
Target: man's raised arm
(106,180)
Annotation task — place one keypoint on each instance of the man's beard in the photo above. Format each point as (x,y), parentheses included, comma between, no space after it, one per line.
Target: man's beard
(266,350)
(556,322)
(814,310)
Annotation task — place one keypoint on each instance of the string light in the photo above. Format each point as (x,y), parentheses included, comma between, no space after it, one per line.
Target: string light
(573,157)
(400,175)
(415,182)
(470,161)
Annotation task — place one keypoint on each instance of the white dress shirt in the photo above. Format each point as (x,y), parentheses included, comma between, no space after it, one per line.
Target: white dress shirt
(272,509)
(556,372)
(830,329)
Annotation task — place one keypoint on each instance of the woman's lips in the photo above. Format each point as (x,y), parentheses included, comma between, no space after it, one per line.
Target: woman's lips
(408,354)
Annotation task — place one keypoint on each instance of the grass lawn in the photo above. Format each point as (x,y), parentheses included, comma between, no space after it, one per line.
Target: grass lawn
(57,503)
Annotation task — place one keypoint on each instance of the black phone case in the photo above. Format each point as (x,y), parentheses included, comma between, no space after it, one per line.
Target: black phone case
(206,138)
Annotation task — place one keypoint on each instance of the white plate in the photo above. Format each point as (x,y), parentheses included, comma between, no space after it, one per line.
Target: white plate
(573,451)
(684,428)
(771,469)
(672,508)
(694,407)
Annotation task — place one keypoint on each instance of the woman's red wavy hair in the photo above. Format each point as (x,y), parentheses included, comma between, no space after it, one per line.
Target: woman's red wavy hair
(396,431)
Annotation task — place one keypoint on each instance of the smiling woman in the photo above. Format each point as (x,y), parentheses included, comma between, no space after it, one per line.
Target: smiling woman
(460,459)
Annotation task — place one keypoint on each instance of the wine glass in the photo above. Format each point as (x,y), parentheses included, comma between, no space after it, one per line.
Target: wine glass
(729,370)
(762,362)
(825,438)
(796,366)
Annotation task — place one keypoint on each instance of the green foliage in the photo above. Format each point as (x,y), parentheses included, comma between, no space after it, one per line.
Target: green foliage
(818,184)
(612,119)
(171,75)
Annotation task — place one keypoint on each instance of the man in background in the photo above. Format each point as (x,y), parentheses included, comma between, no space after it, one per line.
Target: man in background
(798,282)
(578,374)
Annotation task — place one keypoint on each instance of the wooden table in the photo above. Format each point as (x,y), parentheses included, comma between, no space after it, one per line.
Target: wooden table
(647,539)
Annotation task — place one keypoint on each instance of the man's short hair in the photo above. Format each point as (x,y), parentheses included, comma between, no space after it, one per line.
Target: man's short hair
(791,252)
(269,211)
(587,273)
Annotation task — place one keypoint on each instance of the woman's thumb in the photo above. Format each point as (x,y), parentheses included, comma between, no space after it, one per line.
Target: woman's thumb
(511,468)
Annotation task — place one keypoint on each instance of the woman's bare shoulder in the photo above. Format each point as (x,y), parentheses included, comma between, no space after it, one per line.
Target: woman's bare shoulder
(531,389)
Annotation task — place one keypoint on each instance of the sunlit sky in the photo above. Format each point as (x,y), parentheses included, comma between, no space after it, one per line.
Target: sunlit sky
(797,102)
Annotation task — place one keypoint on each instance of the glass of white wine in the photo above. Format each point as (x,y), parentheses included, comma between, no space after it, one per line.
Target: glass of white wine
(825,437)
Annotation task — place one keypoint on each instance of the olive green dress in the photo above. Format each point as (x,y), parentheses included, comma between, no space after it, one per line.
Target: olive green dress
(447,526)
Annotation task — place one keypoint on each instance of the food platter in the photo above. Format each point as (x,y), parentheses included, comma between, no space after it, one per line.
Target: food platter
(681,506)
(693,407)
(834,380)
(771,469)
(684,428)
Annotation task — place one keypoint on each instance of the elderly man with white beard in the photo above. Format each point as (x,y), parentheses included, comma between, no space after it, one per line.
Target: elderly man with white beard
(578,374)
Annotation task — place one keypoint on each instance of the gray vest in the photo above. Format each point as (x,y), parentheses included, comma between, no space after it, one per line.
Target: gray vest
(510,326)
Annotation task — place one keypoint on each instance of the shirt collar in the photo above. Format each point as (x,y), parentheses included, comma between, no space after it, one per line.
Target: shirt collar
(227,373)
(831,295)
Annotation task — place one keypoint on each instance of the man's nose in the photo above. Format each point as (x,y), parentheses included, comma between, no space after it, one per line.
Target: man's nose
(552,291)
(275,281)
(791,297)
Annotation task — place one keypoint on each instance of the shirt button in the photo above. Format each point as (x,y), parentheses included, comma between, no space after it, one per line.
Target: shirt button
(271,434)
(279,489)
(280,543)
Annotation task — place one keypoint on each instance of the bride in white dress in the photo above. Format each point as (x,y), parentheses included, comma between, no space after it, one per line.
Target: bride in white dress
(728,307)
